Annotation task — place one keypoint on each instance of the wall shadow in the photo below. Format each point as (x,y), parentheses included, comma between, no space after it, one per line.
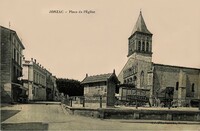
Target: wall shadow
(34,126)
(5,114)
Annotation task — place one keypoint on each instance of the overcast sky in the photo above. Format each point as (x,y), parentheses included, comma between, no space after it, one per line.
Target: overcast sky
(71,45)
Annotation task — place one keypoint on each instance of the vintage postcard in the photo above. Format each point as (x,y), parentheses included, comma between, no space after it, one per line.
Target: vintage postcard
(100,64)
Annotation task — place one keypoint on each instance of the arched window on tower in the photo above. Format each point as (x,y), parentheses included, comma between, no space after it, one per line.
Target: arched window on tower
(130,80)
(147,47)
(135,80)
(192,87)
(133,46)
(129,47)
(139,46)
(177,85)
(143,46)
(142,79)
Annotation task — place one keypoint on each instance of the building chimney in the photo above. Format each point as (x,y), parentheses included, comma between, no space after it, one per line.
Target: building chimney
(35,60)
(31,59)
(114,71)
(86,75)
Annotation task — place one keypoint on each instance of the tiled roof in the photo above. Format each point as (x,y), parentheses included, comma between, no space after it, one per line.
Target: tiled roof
(15,34)
(97,78)
(174,66)
(140,25)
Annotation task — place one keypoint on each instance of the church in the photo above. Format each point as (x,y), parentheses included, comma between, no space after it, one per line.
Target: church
(143,73)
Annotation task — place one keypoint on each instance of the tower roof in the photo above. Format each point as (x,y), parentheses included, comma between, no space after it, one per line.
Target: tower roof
(140,25)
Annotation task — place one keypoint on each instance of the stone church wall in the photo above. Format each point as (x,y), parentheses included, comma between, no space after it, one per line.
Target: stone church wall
(168,76)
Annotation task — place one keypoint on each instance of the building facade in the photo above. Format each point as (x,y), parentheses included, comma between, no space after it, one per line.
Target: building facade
(11,65)
(51,87)
(101,85)
(41,84)
(143,73)
(55,92)
(34,79)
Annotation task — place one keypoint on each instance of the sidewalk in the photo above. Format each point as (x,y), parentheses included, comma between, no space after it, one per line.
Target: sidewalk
(11,106)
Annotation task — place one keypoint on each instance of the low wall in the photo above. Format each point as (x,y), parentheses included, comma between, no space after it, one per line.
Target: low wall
(114,113)
(151,114)
(83,111)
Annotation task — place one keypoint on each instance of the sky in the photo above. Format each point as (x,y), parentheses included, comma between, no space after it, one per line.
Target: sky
(72,44)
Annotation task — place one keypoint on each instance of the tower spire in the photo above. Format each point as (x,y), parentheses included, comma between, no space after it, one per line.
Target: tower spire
(140,25)
(140,41)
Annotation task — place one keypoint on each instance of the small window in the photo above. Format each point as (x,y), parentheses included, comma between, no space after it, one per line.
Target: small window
(193,87)
(147,47)
(142,79)
(134,78)
(139,46)
(33,91)
(143,46)
(14,54)
(177,85)
(127,80)
(13,40)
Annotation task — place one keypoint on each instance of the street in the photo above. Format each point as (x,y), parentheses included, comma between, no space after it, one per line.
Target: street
(51,116)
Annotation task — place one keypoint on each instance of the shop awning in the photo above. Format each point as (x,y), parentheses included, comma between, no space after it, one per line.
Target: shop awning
(20,86)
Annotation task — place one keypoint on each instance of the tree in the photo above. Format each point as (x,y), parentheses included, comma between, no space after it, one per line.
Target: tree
(69,87)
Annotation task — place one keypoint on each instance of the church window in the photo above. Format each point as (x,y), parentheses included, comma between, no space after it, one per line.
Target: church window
(143,46)
(135,80)
(142,79)
(149,79)
(177,85)
(193,87)
(139,46)
(147,47)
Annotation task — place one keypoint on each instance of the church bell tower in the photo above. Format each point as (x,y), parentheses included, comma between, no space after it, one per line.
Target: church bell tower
(140,41)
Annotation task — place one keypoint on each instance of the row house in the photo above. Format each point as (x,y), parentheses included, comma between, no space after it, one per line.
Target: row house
(51,87)
(40,82)
(22,79)
(34,79)
(11,53)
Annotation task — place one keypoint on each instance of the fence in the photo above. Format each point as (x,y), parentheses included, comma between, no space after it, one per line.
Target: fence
(100,102)
(85,101)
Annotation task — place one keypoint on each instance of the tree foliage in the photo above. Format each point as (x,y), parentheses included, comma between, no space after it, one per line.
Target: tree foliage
(69,87)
